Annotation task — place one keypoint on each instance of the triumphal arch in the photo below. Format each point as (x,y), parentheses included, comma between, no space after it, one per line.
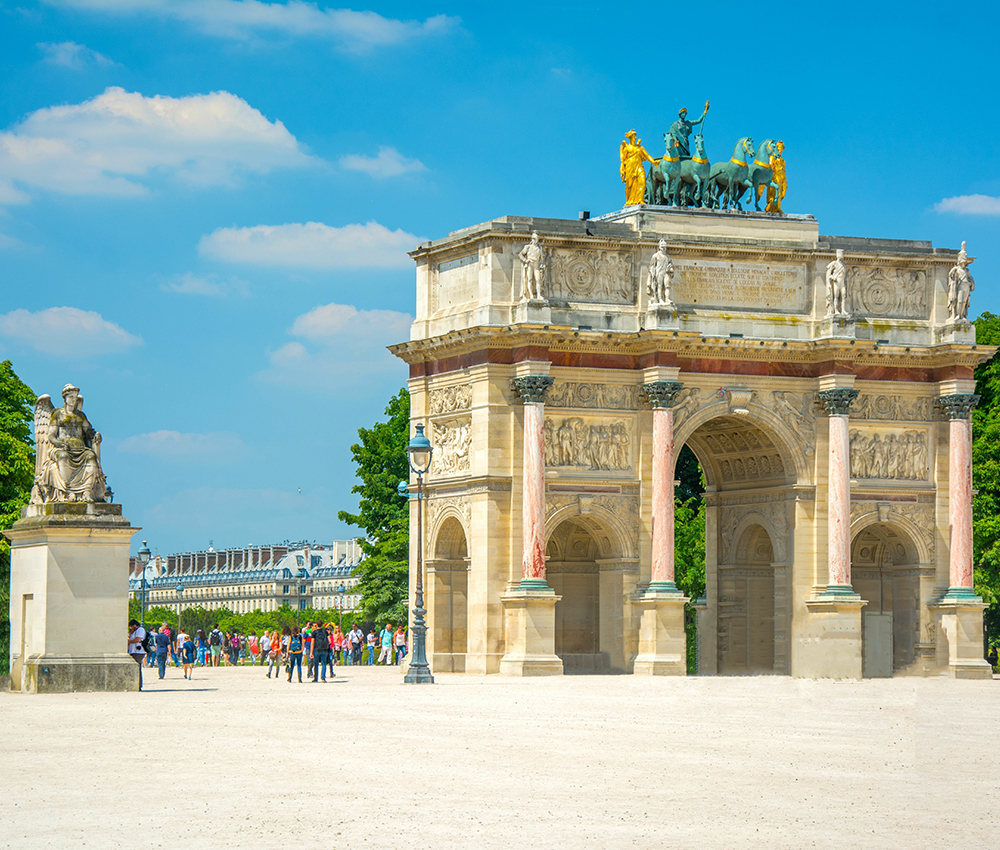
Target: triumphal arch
(824,383)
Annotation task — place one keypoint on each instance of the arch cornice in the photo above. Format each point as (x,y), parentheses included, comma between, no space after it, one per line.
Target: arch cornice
(596,519)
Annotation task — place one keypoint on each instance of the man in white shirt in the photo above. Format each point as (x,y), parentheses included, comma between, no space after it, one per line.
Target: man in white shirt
(265,647)
(136,636)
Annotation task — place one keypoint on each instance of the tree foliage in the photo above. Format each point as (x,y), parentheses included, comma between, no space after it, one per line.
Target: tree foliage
(986,478)
(689,542)
(252,622)
(383,514)
(17,472)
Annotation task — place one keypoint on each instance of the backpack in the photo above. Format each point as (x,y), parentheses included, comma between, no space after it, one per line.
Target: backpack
(149,644)
(215,639)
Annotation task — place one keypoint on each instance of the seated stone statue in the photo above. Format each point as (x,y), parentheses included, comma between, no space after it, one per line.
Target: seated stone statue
(67,453)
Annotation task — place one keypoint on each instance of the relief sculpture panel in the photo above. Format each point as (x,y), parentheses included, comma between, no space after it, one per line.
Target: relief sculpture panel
(606,277)
(576,443)
(451,446)
(450,399)
(893,408)
(901,457)
(592,396)
(889,293)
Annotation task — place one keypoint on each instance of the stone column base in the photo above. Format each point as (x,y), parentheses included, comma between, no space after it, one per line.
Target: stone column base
(53,674)
(829,644)
(530,632)
(662,641)
(960,635)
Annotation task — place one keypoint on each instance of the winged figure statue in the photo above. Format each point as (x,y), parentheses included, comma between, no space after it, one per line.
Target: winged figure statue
(67,452)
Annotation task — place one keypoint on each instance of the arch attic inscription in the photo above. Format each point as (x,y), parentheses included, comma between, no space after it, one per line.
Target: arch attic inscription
(749,286)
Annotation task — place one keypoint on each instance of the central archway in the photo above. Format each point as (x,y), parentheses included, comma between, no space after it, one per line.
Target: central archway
(750,468)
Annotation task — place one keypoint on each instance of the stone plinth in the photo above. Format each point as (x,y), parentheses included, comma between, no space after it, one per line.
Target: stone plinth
(662,641)
(661,317)
(531,312)
(836,326)
(69,599)
(960,636)
(530,629)
(829,642)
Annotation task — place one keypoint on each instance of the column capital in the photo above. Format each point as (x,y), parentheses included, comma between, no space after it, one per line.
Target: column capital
(837,402)
(531,389)
(959,405)
(661,394)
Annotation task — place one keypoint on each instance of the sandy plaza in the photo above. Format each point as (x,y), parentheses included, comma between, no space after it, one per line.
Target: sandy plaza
(232,759)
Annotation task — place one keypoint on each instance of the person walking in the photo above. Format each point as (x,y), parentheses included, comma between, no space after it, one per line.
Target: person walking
(385,639)
(187,654)
(295,654)
(320,652)
(265,647)
(215,640)
(307,645)
(254,649)
(400,644)
(136,639)
(162,648)
(357,639)
(202,644)
(371,648)
(274,655)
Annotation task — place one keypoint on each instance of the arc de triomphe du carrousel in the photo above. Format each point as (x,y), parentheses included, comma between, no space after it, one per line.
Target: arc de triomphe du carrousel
(824,383)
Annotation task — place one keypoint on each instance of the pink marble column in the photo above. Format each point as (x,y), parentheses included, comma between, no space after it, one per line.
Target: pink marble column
(838,403)
(531,390)
(661,396)
(959,409)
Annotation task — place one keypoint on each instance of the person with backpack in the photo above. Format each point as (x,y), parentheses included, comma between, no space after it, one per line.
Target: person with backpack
(357,638)
(320,652)
(215,645)
(162,649)
(136,645)
(295,654)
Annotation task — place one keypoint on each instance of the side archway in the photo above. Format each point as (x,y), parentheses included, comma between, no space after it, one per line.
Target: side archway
(448,592)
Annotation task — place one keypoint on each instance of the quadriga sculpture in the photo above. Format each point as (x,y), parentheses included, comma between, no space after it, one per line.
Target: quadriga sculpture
(761,171)
(727,181)
(67,453)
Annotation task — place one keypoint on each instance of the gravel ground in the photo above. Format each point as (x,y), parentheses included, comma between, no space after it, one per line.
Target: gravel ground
(233,760)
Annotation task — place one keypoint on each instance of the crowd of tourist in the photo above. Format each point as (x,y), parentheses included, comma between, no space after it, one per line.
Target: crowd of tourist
(319,646)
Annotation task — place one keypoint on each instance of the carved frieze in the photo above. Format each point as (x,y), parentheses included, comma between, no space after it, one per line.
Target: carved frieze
(451,441)
(686,402)
(437,505)
(450,399)
(900,457)
(593,396)
(889,293)
(893,408)
(588,444)
(606,277)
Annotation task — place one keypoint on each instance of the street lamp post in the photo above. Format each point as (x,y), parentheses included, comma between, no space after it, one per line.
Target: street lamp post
(340,592)
(419,671)
(180,590)
(143,556)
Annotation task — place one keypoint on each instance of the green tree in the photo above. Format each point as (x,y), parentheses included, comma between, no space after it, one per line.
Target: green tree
(986,479)
(383,514)
(17,472)
(689,542)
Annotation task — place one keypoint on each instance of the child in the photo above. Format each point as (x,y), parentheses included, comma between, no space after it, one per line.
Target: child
(187,650)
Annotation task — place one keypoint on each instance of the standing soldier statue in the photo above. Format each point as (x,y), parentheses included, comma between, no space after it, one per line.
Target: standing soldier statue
(680,132)
(532,268)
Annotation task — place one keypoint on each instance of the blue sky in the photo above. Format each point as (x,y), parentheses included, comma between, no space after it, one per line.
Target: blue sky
(205,205)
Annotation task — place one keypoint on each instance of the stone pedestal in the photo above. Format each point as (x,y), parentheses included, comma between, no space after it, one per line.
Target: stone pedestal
(829,642)
(69,599)
(662,642)
(960,636)
(661,317)
(955,331)
(533,312)
(836,326)
(530,633)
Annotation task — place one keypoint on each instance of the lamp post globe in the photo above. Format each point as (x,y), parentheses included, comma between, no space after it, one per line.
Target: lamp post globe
(143,557)
(420,454)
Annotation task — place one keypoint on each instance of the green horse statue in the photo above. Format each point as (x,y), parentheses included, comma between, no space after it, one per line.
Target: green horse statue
(662,173)
(727,181)
(761,175)
(692,172)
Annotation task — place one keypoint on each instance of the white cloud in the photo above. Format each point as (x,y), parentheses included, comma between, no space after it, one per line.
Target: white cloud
(210,285)
(969,205)
(69,54)
(66,331)
(108,144)
(388,163)
(213,447)
(353,31)
(312,245)
(346,347)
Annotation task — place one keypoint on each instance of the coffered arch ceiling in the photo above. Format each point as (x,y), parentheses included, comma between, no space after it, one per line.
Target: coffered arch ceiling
(737,452)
